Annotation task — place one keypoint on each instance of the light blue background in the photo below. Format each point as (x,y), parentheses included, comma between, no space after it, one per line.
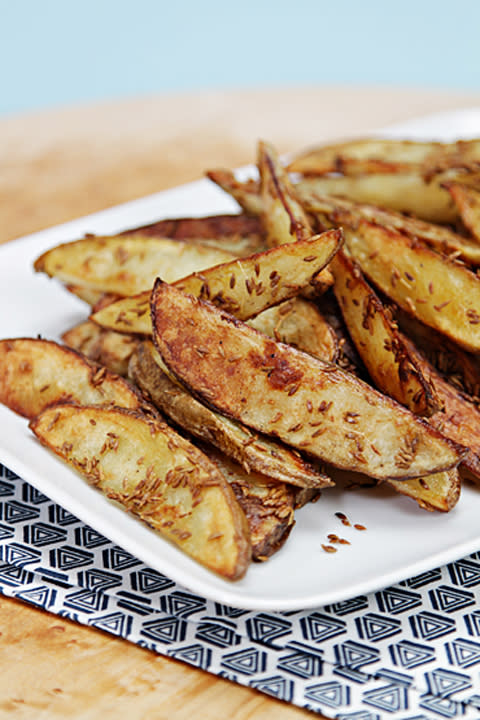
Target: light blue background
(57,52)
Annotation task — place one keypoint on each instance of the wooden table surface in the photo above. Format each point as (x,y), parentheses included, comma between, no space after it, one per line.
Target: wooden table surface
(63,163)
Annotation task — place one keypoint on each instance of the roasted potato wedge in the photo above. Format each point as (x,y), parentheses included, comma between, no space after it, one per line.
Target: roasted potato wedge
(467,200)
(341,212)
(254,452)
(155,474)
(441,293)
(283,217)
(126,265)
(390,365)
(244,287)
(105,347)
(247,286)
(380,155)
(275,389)
(37,373)
(268,505)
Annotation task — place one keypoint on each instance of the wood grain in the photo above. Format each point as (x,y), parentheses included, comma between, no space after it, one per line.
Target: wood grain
(60,164)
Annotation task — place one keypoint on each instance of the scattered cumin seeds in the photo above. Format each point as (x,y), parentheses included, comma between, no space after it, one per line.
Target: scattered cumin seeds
(329,548)
(345,521)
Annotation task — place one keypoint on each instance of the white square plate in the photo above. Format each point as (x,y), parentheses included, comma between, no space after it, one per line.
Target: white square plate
(400,540)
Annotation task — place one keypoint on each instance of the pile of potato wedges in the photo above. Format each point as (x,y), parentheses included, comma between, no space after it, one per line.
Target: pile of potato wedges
(231,368)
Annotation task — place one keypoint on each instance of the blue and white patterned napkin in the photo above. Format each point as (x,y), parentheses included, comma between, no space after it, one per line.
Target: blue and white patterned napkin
(407,652)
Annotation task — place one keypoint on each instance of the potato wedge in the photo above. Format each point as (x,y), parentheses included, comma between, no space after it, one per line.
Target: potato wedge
(467,200)
(342,212)
(441,293)
(458,419)
(390,365)
(126,265)
(373,155)
(268,505)
(247,286)
(283,217)
(254,452)
(275,389)
(244,287)
(155,474)
(105,347)
(37,373)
